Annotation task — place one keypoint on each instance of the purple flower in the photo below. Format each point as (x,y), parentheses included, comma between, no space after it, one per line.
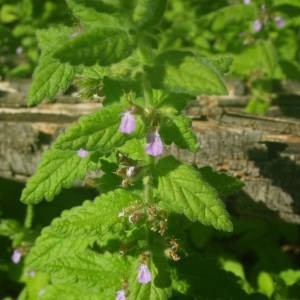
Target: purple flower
(127,123)
(144,275)
(19,50)
(16,256)
(121,295)
(256,25)
(82,153)
(280,23)
(130,171)
(30,273)
(154,144)
(247,2)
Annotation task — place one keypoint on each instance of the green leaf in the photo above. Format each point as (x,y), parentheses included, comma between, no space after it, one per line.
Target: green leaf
(98,131)
(77,229)
(148,13)
(102,45)
(225,185)
(9,227)
(49,77)
(180,72)
(182,190)
(221,63)
(135,149)
(58,169)
(290,277)
(178,130)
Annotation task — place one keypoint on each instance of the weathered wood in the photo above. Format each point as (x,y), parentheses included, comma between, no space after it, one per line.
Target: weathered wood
(263,151)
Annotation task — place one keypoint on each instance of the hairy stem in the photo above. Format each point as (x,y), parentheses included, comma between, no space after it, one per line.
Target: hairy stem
(29,216)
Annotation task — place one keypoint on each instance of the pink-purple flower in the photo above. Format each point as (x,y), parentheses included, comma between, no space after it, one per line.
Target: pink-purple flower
(121,295)
(256,25)
(82,153)
(154,146)
(280,22)
(247,2)
(16,256)
(127,122)
(144,274)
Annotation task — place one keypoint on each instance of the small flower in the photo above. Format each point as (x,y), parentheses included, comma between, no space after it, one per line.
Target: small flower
(121,295)
(247,2)
(127,123)
(41,292)
(131,218)
(280,22)
(16,256)
(144,274)
(130,171)
(19,50)
(82,153)
(154,144)
(256,25)
(30,273)
(121,214)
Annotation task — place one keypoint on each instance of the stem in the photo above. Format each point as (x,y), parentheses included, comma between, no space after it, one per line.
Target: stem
(29,216)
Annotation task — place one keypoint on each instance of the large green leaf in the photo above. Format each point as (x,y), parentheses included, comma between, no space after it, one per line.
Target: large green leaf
(148,13)
(98,131)
(102,45)
(181,72)
(77,229)
(58,169)
(178,130)
(182,190)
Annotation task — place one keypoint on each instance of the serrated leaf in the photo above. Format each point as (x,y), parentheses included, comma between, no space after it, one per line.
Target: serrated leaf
(182,190)
(148,13)
(49,77)
(221,63)
(9,227)
(135,149)
(78,228)
(102,45)
(58,169)
(181,72)
(225,185)
(178,130)
(98,131)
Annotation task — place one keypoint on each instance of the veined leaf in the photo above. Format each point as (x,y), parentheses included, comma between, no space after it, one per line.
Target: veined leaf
(49,77)
(148,13)
(98,131)
(58,169)
(135,149)
(102,45)
(182,190)
(78,228)
(181,72)
(221,63)
(178,130)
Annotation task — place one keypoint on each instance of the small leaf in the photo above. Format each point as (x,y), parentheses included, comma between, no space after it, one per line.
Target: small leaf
(148,13)
(58,169)
(181,72)
(102,45)
(182,190)
(178,130)
(98,131)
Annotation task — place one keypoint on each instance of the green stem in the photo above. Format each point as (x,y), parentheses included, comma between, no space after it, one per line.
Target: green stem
(29,216)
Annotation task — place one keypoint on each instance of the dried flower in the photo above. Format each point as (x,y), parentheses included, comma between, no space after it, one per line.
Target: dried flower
(82,153)
(121,295)
(130,171)
(144,274)
(256,25)
(280,22)
(127,123)
(16,256)
(154,144)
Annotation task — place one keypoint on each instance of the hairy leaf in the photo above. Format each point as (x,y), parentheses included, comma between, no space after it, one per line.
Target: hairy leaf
(180,72)
(58,169)
(178,130)
(78,228)
(181,189)
(102,45)
(98,131)
(148,13)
